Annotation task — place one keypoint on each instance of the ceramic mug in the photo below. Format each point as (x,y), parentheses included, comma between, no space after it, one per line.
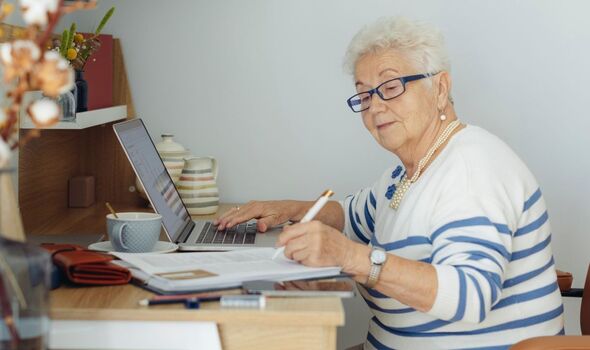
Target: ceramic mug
(134,232)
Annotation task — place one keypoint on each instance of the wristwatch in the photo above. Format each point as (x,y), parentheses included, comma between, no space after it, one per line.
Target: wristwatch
(377,257)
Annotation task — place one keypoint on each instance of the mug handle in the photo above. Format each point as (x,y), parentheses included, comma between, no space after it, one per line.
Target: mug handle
(118,234)
(214,167)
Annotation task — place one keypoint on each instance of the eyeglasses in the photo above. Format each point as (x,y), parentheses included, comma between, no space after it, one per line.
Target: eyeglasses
(386,91)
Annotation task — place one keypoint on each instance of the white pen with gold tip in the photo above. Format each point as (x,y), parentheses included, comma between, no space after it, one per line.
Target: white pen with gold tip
(311,213)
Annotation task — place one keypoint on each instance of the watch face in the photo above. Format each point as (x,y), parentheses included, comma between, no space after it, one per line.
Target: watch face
(378,256)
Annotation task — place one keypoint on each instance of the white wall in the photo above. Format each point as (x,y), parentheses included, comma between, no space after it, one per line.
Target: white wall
(259,85)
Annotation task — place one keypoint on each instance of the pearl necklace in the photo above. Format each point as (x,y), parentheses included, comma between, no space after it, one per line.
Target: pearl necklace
(404,184)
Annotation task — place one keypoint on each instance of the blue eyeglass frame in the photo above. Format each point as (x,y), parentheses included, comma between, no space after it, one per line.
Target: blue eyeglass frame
(403,80)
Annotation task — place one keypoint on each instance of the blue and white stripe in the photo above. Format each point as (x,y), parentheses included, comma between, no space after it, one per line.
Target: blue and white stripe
(495,268)
(361,222)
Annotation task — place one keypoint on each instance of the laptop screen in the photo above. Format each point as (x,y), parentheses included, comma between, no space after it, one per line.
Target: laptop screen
(156,181)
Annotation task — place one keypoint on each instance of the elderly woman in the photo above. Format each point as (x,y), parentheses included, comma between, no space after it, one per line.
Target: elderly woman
(451,248)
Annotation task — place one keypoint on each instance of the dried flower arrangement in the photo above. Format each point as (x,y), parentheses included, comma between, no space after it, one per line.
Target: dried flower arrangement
(77,48)
(29,65)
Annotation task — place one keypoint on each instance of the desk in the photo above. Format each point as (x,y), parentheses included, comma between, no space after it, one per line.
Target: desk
(286,323)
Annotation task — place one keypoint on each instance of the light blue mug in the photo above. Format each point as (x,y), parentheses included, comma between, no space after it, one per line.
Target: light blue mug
(134,232)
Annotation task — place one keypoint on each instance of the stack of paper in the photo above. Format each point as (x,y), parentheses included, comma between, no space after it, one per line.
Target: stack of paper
(188,272)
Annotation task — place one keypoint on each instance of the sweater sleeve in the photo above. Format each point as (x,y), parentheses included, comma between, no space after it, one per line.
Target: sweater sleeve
(359,212)
(471,247)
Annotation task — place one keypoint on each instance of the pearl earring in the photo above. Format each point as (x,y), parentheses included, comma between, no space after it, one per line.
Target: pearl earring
(443,117)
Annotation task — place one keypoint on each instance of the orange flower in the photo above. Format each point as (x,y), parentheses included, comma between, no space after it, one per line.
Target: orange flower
(53,75)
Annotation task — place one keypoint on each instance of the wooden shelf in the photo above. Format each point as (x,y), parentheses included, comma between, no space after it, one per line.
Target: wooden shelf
(84,119)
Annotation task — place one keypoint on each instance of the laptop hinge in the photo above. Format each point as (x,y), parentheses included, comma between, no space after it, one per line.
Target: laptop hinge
(186,232)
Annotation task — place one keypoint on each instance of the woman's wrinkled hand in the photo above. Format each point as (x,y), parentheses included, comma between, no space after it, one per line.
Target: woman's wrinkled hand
(268,214)
(315,244)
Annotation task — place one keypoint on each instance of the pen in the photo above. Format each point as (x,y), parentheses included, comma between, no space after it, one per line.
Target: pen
(311,213)
(178,297)
(189,303)
(226,301)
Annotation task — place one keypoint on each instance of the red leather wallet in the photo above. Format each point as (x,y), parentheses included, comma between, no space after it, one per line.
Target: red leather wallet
(82,266)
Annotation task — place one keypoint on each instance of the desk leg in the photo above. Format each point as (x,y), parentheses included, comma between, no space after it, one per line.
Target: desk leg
(256,337)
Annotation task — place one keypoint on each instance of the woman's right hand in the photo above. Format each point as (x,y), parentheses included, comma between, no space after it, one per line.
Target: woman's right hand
(268,213)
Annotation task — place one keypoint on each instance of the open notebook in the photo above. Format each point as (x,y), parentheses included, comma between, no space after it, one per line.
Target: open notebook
(192,272)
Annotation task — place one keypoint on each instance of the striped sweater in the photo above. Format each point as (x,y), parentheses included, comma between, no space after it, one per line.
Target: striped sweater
(478,216)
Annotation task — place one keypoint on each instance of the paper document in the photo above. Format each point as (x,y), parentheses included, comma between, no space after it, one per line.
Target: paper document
(145,335)
(181,272)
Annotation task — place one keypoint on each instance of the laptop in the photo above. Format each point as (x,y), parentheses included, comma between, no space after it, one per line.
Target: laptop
(188,234)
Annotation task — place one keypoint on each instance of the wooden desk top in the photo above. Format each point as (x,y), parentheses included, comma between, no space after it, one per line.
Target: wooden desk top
(121,303)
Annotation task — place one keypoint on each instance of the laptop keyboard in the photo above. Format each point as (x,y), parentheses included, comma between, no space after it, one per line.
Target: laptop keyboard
(244,233)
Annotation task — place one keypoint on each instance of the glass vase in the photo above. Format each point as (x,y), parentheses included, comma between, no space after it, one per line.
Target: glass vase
(67,103)
(24,290)
(82,92)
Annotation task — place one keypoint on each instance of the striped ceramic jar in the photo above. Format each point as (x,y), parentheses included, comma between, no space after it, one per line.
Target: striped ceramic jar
(172,154)
(198,185)
(174,165)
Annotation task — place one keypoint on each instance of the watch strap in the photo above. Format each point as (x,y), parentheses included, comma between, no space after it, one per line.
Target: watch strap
(373,275)
(374,271)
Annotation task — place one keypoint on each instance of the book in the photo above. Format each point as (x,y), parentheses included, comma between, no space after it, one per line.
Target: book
(201,271)
(99,74)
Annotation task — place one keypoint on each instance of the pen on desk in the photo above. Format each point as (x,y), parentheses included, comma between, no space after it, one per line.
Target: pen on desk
(200,295)
(190,303)
(226,301)
(309,215)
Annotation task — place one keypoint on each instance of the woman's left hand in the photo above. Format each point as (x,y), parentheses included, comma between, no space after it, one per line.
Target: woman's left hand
(315,244)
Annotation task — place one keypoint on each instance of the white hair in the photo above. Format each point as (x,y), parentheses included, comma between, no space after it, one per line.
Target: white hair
(422,44)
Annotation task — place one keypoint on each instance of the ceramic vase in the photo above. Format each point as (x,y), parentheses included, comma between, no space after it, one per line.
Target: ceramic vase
(198,185)
(82,92)
(173,154)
